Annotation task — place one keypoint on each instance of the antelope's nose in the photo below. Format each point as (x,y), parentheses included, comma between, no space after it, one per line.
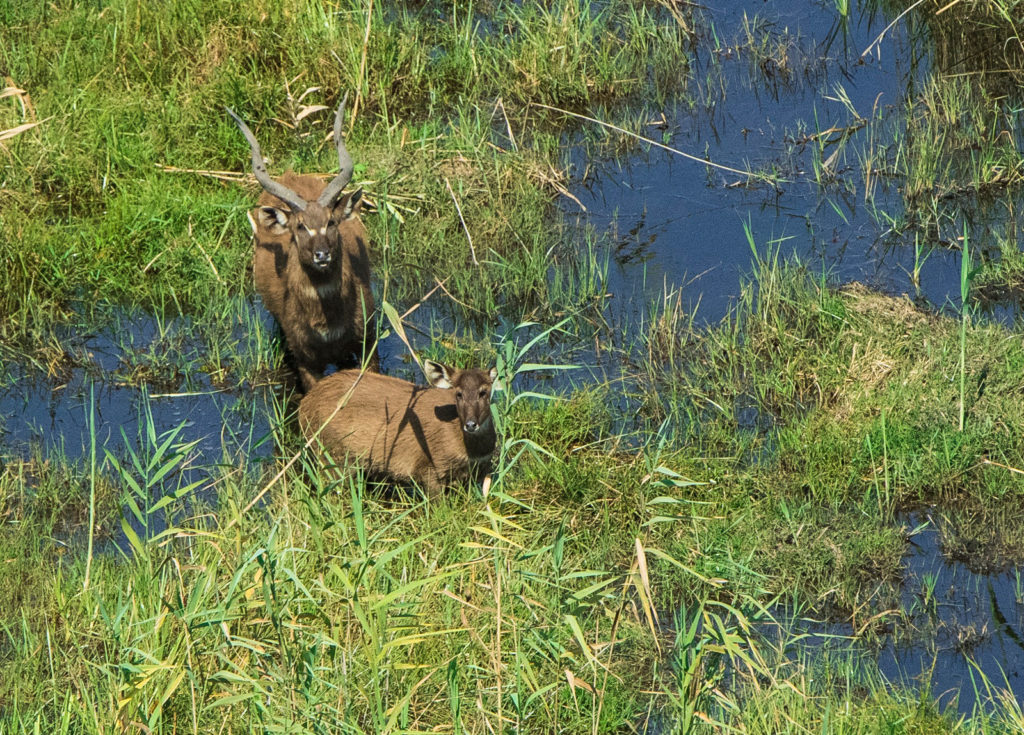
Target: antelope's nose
(472,426)
(321,257)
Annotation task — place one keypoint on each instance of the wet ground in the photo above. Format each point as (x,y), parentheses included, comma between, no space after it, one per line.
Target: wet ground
(970,622)
(954,624)
(51,413)
(672,222)
(675,222)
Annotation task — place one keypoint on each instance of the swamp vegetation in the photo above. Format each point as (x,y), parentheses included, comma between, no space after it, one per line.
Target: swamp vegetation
(674,497)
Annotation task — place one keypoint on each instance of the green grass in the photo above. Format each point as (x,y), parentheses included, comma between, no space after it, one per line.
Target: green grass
(637,528)
(1000,279)
(434,103)
(876,383)
(331,608)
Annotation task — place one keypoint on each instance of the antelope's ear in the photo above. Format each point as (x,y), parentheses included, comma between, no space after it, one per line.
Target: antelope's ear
(271,219)
(495,383)
(349,205)
(438,375)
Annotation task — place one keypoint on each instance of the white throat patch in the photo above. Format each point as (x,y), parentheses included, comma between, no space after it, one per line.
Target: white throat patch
(320,292)
(331,335)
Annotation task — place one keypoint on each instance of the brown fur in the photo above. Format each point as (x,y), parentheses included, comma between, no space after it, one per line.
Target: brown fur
(323,312)
(404,431)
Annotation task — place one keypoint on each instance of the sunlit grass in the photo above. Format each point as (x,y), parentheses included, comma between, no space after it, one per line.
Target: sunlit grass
(280,596)
(122,183)
(638,530)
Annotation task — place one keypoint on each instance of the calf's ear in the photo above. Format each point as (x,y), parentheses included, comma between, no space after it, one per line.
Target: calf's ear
(495,383)
(438,374)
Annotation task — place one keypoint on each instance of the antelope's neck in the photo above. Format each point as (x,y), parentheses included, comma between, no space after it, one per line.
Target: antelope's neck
(315,285)
(479,446)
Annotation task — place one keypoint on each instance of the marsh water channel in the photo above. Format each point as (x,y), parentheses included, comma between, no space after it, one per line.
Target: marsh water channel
(780,109)
(671,222)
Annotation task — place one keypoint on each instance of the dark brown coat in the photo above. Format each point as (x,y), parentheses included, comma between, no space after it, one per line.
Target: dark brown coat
(325,311)
(434,436)
(312,264)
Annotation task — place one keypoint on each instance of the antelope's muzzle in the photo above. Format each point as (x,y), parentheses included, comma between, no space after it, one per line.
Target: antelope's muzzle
(472,427)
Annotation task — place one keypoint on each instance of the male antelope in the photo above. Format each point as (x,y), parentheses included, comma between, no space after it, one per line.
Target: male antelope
(435,436)
(311,264)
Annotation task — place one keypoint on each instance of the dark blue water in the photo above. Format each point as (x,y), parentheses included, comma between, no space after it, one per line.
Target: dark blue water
(970,622)
(165,356)
(953,624)
(136,370)
(677,222)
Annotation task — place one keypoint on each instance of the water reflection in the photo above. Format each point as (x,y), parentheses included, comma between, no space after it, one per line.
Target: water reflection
(783,98)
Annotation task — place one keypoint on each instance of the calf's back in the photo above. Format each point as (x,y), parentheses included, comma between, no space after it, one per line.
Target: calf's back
(397,429)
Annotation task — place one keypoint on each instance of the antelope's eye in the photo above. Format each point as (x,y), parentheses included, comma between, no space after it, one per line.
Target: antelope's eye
(458,395)
(483,392)
(331,223)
